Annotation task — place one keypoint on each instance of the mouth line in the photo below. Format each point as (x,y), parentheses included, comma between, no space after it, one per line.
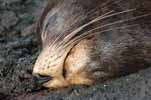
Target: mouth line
(42,81)
(39,80)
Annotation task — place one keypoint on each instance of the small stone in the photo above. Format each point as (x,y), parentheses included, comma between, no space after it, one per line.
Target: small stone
(28,30)
(1,30)
(9,19)
(11,1)
(2,59)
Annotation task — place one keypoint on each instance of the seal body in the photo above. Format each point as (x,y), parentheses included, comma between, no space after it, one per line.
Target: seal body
(84,42)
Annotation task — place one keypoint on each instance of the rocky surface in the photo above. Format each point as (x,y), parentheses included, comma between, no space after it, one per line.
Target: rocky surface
(19,50)
(18,45)
(132,87)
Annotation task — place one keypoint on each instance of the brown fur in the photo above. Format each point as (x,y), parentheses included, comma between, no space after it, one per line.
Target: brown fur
(81,48)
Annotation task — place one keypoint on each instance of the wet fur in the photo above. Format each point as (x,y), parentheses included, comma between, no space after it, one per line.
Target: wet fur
(117,49)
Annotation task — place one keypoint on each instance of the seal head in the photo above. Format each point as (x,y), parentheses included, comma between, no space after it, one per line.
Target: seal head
(89,41)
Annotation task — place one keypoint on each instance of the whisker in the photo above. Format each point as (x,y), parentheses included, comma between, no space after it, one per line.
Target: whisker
(103,5)
(61,34)
(52,45)
(72,34)
(73,42)
(66,39)
(116,22)
(75,20)
(106,25)
(80,28)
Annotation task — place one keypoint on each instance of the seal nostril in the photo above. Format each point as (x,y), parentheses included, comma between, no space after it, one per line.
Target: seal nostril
(40,79)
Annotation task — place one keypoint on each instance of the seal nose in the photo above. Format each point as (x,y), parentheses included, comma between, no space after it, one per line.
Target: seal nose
(40,79)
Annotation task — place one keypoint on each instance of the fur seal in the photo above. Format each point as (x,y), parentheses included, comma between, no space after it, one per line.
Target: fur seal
(89,41)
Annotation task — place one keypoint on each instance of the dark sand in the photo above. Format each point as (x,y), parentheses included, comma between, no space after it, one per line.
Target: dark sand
(18,52)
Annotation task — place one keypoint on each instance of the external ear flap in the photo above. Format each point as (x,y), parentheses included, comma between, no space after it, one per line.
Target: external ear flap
(50,4)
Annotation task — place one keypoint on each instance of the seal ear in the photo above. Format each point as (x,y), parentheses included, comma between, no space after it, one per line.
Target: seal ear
(50,4)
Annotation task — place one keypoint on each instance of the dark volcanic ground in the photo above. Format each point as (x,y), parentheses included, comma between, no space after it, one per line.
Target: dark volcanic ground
(18,52)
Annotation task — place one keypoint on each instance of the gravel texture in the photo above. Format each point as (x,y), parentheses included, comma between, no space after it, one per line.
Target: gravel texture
(19,49)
